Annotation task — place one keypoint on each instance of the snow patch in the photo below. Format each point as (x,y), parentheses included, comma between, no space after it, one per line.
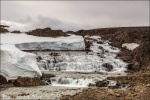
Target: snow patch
(130,46)
(16,63)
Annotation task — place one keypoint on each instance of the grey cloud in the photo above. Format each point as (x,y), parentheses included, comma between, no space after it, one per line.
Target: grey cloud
(56,24)
(74,15)
(47,21)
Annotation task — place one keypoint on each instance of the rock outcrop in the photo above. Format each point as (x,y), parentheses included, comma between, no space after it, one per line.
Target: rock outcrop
(16,31)
(46,32)
(28,81)
(3,29)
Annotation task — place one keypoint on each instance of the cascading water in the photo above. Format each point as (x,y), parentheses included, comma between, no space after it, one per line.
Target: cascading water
(101,58)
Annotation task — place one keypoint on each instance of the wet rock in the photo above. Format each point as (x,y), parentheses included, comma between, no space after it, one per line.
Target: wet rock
(87,45)
(91,85)
(100,47)
(107,66)
(27,81)
(100,42)
(44,75)
(103,83)
(38,58)
(133,66)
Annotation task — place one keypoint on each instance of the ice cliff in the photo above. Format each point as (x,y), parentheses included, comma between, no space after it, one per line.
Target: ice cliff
(16,63)
(29,42)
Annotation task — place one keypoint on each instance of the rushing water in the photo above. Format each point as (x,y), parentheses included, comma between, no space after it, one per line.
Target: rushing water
(101,59)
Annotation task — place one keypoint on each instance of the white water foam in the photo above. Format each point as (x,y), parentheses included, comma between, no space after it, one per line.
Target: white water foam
(89,62)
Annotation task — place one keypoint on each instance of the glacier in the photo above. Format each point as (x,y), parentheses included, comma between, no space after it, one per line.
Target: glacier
(29,42)
(16,63)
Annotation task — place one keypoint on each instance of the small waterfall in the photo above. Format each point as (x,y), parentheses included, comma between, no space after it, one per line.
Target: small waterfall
(71,82)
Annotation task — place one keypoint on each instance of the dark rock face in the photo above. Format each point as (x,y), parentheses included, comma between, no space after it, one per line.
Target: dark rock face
(133,66)
(103,83)
(3,29)
(3,80)
(16,31)
(44,75)
(27,81)
(46,32)
(107,66)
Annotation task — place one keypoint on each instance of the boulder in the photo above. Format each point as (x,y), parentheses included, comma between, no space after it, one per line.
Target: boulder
(107,66)
(133,66)
(103,83)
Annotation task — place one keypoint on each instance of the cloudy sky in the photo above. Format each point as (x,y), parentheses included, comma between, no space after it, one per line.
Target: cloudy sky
(74,15)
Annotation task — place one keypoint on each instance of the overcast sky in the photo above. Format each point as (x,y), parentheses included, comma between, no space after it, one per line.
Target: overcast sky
(74,15)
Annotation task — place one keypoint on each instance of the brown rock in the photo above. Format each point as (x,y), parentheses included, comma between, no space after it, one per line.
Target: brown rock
(27,81)
(133,66)
(103,83)
(47,32)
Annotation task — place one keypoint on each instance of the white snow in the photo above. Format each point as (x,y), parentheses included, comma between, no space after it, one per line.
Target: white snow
(29,42)
(16,63)
(130,46)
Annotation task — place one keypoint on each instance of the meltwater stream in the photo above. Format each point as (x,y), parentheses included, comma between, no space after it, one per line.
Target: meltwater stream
(81,68)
